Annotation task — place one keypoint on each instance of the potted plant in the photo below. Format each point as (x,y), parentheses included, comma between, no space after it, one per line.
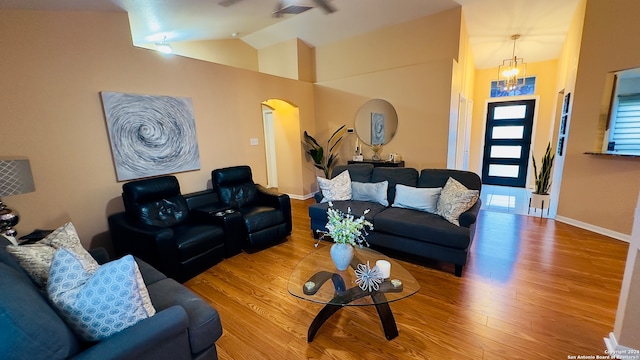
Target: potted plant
(346,231)
(321,160)
(540,196)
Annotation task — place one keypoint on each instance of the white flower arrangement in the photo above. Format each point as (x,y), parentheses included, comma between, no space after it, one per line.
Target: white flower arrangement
(346,228)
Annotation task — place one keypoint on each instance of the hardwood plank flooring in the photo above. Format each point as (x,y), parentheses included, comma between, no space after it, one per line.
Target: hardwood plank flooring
(532,289)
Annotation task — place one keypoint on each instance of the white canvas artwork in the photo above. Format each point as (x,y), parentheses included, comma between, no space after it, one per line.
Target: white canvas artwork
(150,135)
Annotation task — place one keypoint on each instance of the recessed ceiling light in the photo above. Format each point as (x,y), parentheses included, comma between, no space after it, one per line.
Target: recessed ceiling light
(164,47)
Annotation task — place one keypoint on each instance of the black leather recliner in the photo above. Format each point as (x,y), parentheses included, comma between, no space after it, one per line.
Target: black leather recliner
(158,227)
(266,214)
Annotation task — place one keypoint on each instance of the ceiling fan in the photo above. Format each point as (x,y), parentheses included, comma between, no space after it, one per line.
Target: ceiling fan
(291,7)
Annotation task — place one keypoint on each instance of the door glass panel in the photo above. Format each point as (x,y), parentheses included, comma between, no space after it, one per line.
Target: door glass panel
(507,132)
(509,112)
(503,170)
(506,152)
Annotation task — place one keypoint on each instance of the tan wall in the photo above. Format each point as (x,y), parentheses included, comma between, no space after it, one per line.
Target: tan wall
(610,30)
(280,59)
(306,62)
(233,52)
(545,73)
(420,41)
(410,66)
(54,65)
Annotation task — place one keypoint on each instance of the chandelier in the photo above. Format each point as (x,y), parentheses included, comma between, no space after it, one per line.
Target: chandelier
(512,72)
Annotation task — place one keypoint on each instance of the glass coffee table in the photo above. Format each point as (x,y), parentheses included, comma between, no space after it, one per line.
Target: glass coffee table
(316,279)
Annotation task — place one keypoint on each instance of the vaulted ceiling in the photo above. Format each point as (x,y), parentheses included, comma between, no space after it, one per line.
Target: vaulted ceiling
(543,24)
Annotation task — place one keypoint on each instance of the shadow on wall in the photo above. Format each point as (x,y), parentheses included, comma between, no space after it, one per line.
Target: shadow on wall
(103,239)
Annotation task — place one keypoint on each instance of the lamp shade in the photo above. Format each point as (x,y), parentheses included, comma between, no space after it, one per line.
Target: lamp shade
(15,177)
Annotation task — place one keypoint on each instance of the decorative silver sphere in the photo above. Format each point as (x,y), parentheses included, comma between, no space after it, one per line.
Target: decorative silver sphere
(8,219)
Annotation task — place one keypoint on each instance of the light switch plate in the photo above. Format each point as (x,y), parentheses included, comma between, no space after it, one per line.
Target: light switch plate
(253,141)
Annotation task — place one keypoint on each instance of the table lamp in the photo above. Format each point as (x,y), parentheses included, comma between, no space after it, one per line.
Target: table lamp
(15,179)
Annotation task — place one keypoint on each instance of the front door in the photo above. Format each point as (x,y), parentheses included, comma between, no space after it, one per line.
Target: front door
(507,142)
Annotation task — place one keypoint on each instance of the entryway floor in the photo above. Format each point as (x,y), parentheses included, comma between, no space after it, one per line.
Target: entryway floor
(508,199)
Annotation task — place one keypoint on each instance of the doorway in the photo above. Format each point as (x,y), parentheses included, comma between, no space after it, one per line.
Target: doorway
(283,155)
(270,146)
(507,142)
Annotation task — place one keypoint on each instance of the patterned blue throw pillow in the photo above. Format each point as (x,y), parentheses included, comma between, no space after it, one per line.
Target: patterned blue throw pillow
(101,304)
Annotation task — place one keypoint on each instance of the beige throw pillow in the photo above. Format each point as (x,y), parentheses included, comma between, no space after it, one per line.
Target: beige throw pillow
(35,258)
(338,188)
(455,199)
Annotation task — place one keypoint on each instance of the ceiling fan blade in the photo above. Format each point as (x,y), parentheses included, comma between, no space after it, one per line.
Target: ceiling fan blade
(277,12)
(227,3)
(324,5)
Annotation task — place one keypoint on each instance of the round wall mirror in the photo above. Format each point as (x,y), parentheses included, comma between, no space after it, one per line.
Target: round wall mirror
(376,122)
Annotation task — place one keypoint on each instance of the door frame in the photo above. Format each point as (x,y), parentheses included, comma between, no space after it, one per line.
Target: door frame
(270,146)
(528,183)
(463,138)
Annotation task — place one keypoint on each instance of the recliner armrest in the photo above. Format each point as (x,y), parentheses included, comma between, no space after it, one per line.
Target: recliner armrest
(235,232)
(153,244)
(276,200)
(162,336)
(270,197)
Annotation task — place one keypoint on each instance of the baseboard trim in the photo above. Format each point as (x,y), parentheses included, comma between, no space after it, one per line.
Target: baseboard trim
(596,229)
(617,351)
(301,197)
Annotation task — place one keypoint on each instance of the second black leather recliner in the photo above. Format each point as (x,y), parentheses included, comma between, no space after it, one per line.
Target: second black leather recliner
(266,214)
(158,227)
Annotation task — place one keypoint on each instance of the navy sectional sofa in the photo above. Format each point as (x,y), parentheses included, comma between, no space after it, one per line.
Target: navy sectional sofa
(418,234)
(184,326)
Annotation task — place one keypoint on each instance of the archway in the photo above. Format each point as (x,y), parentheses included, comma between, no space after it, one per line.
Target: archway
(282,140)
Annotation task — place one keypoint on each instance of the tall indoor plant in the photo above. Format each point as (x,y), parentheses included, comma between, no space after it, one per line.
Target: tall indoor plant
(540,195)
(321,159)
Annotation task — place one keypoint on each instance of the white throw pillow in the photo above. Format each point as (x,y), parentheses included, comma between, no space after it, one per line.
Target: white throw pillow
(35,258)
(422,199)
(338,188)
(98,304)
(374,192)
(455,199)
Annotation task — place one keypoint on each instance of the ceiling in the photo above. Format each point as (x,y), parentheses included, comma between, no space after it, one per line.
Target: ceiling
(543,24)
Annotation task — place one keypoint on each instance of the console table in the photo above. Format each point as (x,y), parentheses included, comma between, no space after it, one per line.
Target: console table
(378,163)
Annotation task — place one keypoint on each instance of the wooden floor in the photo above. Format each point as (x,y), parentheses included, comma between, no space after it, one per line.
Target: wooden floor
(532,289)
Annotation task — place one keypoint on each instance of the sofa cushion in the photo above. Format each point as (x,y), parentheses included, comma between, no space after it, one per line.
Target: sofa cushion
(98,304)
(422,199)
(404,176)
(374,192)
(357,172)
(421,226)
(319,211)
(258,218)
(28,321)
(35,258)
(438,178)
(194,239)
(338,188)
(455,199)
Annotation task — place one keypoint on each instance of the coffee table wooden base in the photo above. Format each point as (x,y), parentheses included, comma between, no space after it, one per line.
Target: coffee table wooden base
(384,311)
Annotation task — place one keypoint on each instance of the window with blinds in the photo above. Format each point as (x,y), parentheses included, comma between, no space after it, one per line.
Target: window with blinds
(624,133)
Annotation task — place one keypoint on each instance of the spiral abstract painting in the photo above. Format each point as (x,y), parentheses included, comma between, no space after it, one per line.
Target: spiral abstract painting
(150,135)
